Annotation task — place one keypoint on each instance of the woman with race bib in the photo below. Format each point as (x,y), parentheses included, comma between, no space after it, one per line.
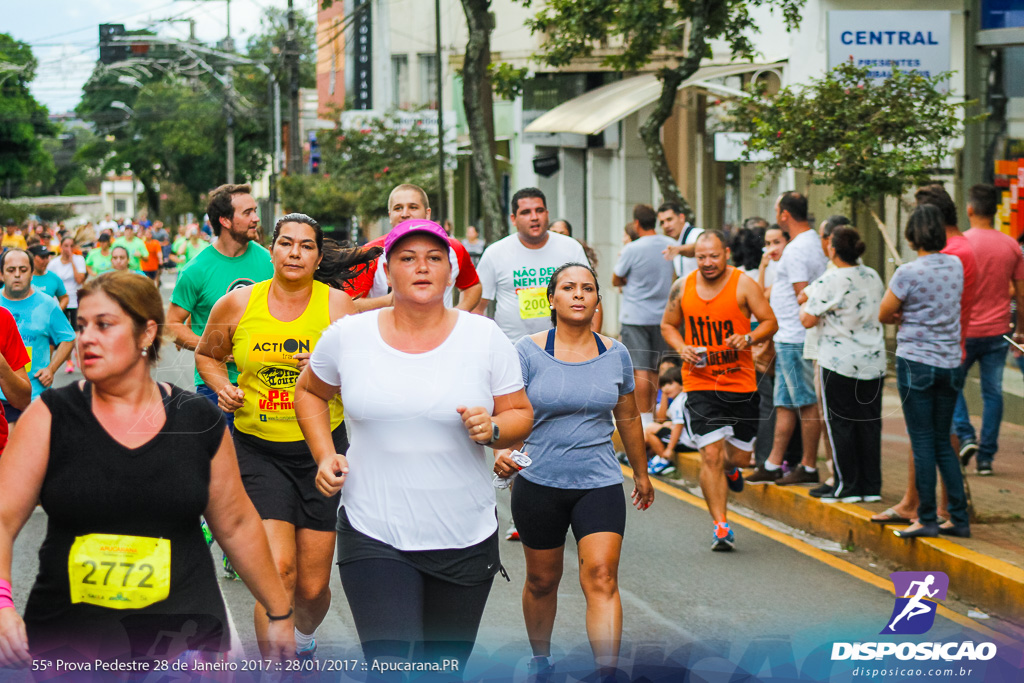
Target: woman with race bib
(270,329)
(124,472)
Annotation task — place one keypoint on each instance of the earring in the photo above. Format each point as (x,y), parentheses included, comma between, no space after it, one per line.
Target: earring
(145,353)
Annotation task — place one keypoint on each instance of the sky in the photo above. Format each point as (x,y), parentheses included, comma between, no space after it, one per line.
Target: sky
(63,34)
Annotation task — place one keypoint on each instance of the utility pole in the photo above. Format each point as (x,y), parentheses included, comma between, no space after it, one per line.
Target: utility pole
(441,192)
(292,61)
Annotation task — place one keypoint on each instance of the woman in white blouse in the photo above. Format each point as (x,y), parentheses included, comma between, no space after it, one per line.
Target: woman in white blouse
(851,359)
(425,388)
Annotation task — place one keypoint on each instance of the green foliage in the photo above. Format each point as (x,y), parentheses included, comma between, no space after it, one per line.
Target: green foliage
(865,138)
(575,28)
(369,161)
(507,80)
(54,212)
(326,199)
(23,120)
(12,212)
(75,187)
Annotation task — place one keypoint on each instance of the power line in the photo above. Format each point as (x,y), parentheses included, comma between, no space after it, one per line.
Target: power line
(92,27)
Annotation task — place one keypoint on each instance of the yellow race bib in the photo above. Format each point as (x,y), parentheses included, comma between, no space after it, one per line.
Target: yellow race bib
(533,302)
(119,572)
(28,368)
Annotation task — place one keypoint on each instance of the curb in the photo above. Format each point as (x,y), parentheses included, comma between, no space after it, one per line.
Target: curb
(979,579)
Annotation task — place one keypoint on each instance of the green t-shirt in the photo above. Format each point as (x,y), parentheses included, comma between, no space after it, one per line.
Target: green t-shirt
(212,275)
(98,262)
(136,251)
(191,251)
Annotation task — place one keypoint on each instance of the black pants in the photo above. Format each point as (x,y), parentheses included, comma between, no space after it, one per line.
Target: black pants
(766,427)
(402,613)
(853,425)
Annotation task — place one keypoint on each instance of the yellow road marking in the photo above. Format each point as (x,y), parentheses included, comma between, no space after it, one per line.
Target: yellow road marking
(820,555)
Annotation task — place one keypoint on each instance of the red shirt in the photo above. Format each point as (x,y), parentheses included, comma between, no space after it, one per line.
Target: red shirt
(13,350)
(152,262)
(959,246)
(1001,262)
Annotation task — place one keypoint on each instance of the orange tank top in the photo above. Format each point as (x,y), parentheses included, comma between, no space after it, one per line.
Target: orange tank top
(708,324)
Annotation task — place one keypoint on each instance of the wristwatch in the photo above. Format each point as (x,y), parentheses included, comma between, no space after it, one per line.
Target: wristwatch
(495,433)
(750,340)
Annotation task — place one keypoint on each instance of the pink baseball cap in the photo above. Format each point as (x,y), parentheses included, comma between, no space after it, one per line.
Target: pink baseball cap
(414,225)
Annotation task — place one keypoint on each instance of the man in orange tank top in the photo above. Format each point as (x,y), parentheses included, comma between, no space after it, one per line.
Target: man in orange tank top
(707,322)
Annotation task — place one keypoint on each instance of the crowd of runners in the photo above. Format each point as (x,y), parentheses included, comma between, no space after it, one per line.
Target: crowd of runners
(346,397)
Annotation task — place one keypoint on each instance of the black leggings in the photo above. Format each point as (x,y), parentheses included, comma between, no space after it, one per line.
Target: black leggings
(402,613)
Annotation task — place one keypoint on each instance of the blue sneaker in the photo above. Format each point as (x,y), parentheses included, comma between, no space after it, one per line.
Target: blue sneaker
(229,571)
(307,661)
(734,479)
(724,539)
(660,466)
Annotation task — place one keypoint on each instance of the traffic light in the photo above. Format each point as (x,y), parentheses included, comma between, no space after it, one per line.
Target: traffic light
(111,52)
(314,154)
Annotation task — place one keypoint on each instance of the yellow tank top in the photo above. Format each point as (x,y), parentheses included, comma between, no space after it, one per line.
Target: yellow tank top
(264,347)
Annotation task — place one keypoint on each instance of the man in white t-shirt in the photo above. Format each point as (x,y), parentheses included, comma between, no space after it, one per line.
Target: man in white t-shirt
(674,224)
(802,262)
(515,270)
(108,224)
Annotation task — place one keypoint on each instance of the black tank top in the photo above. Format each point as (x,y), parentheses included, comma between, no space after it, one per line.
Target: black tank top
(96,489)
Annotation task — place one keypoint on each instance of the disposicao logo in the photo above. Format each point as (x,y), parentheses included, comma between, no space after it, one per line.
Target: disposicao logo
(914,612)
(917,596)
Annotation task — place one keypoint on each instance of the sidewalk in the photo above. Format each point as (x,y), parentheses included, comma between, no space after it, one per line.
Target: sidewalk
(986,570)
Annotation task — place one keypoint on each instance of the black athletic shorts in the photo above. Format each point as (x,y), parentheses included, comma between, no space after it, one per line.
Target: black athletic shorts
(280,479)
(665,433)
(544,514)
(712,416)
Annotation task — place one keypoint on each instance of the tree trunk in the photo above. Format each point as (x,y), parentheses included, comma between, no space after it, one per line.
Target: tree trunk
(886,238)
(477,98)
(650,130)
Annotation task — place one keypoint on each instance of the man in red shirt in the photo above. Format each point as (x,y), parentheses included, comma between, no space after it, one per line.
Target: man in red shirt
(406,202)
(1000,270)
(14,380)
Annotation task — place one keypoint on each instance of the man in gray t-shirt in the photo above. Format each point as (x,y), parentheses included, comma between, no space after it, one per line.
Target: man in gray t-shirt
(646,278)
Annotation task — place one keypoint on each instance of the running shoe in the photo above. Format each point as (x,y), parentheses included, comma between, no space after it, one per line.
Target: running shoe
(69,367)
(734,479)
(764,476)
(832,498)
(967,451)
(307,662)
(512,534)
(724,539)
(660,466)
(874,498)
(229,571)
(207,534)
(539,670)
(985,469)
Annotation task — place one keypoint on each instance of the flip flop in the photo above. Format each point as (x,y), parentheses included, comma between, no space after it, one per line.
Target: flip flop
(890,516)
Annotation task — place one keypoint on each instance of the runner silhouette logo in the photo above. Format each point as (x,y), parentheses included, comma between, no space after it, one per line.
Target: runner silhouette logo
(917,596)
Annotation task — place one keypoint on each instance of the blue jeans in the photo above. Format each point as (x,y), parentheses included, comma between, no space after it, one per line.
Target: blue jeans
(990,354)
(207,392)
(928,395)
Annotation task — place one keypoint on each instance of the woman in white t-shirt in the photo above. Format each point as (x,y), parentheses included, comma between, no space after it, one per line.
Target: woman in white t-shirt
(425,388)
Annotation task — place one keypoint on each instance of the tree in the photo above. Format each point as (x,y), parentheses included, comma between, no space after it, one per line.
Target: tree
(361,164)
(867,139)
(23,120)
(477,100)
(676,32)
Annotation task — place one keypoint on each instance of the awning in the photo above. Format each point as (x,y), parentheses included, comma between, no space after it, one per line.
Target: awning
(592,112)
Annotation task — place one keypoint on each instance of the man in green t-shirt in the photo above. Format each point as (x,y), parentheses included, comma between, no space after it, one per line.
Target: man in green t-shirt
(135,246)
(98,260)
(234,261)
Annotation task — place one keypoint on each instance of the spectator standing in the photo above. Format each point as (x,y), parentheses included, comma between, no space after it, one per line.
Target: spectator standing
(1000,270)
(924,299)
(674,224)
(473,244)
(802,262)
(851,366)
(646,279)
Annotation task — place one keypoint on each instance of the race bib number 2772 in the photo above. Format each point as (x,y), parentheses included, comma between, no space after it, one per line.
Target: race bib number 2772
(119,572)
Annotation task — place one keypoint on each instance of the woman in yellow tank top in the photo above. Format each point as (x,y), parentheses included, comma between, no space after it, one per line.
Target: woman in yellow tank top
(270,330)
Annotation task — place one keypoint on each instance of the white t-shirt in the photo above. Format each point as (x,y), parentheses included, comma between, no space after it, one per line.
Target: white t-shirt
(380,280)
(677,415)
(516,278)
(67,274)
(802,261)
(685,265)
(416,481)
